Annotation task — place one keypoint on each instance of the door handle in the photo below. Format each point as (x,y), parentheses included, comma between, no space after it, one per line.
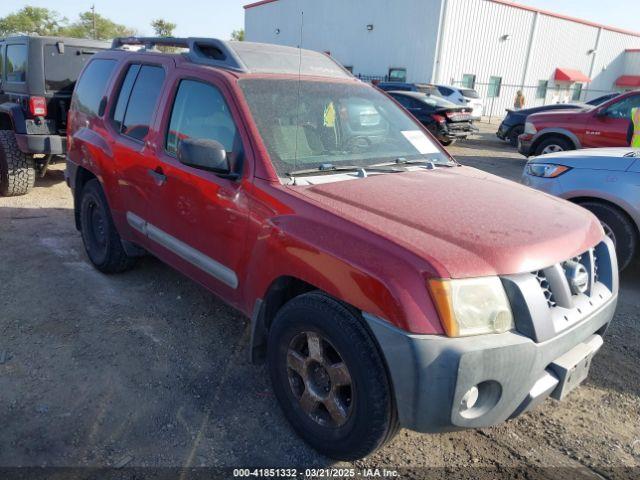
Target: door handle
(158,176)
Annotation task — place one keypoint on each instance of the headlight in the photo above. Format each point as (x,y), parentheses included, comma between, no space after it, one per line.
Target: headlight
(473,306)
(530,128)
(546,170)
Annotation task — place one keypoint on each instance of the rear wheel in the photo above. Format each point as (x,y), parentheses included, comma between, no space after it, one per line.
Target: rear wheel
(101,240)
(619,228)
(329,377)
(514,134)
(552,145)
(17,169)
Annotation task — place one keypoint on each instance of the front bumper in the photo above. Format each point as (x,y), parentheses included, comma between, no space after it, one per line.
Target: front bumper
(41,144)
(431,374)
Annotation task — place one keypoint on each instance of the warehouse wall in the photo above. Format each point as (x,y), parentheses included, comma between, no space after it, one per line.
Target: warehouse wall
(473,43)
(404,34)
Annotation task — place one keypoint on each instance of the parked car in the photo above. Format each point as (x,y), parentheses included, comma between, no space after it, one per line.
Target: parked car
(606,125)
(408,87)
(605,181)
(463,96)
(513,124)
(447,121)
(379,295)
(35,90)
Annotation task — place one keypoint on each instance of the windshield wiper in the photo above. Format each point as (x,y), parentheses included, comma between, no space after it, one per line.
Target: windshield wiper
(423,161)
(329,168)
(635,153)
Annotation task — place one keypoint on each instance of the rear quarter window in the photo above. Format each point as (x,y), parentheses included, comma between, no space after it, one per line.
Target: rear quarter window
(92,85)
(16,63)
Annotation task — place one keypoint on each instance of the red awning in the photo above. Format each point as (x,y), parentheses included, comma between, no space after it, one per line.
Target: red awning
(628,81)
(570,75)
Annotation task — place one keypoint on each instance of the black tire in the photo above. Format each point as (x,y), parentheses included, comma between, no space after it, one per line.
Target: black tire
(17,169)
(371,418)
(619,227)
(99,235)
(513,135)
(555,143)
(447,142)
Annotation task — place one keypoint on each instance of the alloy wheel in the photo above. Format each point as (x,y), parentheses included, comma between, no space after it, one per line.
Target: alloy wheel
(319,379)
(552,149)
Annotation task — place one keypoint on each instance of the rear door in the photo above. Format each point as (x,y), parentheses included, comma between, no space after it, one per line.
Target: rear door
(199,219)
(139,89)
(608,127)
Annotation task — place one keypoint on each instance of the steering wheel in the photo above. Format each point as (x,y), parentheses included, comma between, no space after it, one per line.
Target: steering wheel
(357,143)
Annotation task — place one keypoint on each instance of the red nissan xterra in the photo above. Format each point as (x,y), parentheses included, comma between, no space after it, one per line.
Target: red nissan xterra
(606,125)
(387,285)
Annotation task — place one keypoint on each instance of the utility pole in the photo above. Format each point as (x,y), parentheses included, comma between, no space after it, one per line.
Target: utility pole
(93,14)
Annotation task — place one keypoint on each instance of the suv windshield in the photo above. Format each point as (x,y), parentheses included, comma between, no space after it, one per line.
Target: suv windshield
(305,124)
(61,70)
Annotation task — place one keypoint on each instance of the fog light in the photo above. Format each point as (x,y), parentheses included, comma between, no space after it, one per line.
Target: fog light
(470,398)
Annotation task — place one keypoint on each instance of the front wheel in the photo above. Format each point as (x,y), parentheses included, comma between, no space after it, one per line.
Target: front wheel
(329,378)
(553,145)
(619,228)
(99,235)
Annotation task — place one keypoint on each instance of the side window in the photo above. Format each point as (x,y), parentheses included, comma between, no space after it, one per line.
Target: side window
(91,87)
(622,109)
(1,62)
(200,111)
(137,100)
(445,91)
(16,63)
(123,96)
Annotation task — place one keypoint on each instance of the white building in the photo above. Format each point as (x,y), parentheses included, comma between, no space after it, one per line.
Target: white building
(495,46)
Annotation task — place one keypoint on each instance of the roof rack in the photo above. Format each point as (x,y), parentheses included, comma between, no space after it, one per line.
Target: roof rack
(206,51)
(243,57)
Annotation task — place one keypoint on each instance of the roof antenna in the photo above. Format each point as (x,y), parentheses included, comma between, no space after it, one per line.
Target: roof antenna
(295,157)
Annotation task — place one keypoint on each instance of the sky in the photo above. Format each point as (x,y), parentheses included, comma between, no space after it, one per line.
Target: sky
(218,18)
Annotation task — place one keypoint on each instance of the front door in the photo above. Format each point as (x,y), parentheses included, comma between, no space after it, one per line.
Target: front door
(199,219)
(610,125)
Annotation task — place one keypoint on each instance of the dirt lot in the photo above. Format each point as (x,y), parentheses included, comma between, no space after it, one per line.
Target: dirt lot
(148,369)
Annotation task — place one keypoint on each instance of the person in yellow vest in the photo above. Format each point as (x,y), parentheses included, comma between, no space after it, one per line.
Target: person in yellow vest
(634,128)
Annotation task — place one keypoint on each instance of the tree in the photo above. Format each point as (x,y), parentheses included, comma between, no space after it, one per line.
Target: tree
(238,35)
(31,20)
(104,28)
(163,28)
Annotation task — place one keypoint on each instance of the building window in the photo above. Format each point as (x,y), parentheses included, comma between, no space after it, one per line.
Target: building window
(398,75)
(469,81)
(577,92)
(541,92)
(495,84)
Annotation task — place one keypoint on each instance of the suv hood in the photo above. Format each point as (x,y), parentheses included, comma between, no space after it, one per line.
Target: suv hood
(591,158)
(464,222)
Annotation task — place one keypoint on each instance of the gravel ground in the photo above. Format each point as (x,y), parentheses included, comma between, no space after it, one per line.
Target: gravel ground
(147,369)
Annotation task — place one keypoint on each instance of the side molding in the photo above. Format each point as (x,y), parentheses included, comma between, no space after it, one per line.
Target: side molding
(184,251)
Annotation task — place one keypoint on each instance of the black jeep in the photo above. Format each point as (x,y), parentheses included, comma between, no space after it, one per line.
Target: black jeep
(37,76)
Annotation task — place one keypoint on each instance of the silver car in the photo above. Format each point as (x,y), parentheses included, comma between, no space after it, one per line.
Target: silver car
(605,181)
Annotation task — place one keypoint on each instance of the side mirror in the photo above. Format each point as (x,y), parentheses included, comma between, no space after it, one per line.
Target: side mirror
(205,154)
